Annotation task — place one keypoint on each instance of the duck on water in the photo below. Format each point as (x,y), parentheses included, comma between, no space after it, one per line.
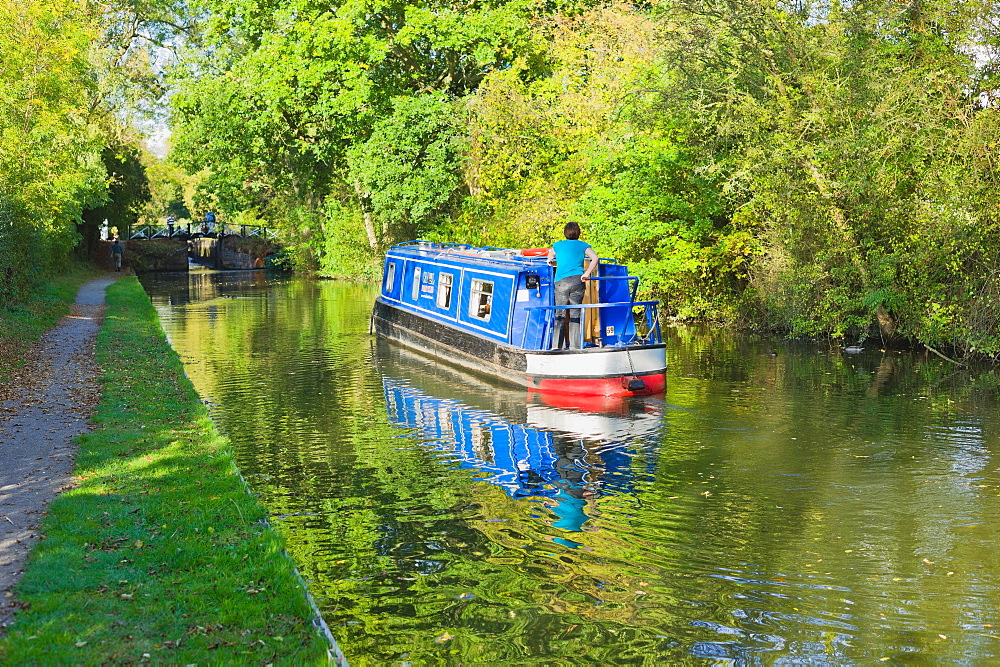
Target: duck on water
(492,310)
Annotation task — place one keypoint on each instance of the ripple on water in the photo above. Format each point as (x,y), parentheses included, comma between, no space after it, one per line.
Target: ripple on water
(799,508)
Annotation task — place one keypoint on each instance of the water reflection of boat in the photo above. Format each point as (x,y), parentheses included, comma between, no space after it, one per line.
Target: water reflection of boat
(515,439)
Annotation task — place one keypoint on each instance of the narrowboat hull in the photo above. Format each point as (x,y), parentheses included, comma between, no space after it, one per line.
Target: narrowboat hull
(637,370)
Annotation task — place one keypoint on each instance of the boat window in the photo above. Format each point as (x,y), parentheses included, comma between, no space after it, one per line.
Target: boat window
(390,279)
(444,291)
(416,283)
(481,302)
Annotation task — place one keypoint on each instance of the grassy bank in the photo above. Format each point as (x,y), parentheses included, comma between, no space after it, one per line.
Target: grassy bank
(21,324)
(159,554)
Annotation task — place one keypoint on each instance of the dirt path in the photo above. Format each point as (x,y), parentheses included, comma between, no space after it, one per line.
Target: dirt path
(37,428)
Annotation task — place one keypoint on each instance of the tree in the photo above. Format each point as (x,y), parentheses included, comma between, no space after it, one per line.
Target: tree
(591,142)
(128,193)
(282,104)
(49,154)
(72,71)
(167,183)
(838,127)
(408,170)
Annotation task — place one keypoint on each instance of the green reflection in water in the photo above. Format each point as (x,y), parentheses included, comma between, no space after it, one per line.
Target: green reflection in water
(808,505)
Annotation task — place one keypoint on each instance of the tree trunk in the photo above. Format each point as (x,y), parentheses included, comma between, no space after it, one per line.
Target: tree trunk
(366,212)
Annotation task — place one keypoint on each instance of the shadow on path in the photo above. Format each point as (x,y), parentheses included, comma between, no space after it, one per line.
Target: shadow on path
(37,428)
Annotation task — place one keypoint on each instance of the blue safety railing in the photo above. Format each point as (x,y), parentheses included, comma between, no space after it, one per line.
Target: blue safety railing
(634,328)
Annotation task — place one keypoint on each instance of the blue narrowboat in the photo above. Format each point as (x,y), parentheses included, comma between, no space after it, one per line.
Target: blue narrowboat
(492,310)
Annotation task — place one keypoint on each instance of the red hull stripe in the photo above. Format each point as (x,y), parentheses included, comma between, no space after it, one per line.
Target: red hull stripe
(613,386)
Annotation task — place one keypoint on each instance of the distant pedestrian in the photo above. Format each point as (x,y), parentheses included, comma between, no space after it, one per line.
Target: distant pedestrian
(170,225)
(116,253)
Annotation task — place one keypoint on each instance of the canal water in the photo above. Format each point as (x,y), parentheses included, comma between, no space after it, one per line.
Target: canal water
(781,502)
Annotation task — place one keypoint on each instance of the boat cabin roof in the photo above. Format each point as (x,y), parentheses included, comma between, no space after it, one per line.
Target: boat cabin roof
(508,258)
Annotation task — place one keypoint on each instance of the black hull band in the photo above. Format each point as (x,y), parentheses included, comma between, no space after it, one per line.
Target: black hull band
(449,344)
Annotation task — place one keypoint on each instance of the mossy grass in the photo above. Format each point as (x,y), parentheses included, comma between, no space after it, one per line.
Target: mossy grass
(159,553)
(23,323)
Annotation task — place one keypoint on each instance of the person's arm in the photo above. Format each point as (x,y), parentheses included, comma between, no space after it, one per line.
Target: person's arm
(552,256)
(593,263)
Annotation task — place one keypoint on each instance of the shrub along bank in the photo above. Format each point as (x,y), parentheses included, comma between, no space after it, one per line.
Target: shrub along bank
(159,554)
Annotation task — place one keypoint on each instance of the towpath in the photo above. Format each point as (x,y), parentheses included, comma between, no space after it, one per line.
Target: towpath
(46,406)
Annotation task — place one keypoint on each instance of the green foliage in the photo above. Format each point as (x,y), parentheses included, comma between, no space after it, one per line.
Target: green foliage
(72,72)
(645,203)
(820,170)
(167,183)
(127,193)
(840,129)
(299,103)
(590,143)
(344,249)
(407,171)
(49,154)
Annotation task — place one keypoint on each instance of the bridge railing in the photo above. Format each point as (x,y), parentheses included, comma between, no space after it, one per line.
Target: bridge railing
(248,231)
(140,232)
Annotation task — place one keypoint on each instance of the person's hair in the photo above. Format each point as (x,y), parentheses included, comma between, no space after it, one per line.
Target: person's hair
(572,231)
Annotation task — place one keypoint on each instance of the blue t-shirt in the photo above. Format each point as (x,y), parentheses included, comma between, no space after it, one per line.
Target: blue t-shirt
(570,512)
(569,258)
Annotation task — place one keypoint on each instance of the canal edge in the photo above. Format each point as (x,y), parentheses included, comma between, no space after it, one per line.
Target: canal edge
(334,653)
